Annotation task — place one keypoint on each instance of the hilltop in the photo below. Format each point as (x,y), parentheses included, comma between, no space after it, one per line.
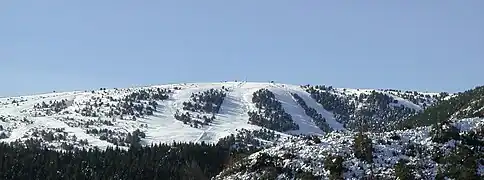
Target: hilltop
(260,130)
(197,112)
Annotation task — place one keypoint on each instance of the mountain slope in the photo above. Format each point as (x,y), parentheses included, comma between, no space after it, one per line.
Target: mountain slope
(376,110)
(452,150)
(461,105)
(182,112)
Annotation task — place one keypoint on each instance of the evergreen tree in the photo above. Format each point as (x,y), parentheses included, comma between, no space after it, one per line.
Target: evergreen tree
(335,166)
(403,171)
(162,161)
(363,147)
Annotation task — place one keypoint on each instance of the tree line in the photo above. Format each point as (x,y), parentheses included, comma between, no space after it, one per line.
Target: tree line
(161,161)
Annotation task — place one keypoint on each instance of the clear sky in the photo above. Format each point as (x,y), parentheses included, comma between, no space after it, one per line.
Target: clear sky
(62,45)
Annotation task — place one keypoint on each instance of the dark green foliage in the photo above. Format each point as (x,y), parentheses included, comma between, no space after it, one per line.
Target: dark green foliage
(363,147)
(195,122)
(471,100)
(403,171)
(444,132)
(268,167)
(177,161)
(474,138)
(342,107)
(136,104)
(52,106)
(377,108)
(461,163)
(264,160)
(157,94)
(316,139)
(247,141)
(119,139)
(3,135)
(184,117)
(317,118)
(306,176)
(208,101)
(335,166)
(463,159)
(270,113)
(395,137)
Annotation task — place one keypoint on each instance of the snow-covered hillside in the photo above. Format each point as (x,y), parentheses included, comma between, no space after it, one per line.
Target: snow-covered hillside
(192,112)
(379,110)
(449,150)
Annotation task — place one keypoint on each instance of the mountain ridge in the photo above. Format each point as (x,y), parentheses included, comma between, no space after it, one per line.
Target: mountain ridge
(154,111)
(267,130)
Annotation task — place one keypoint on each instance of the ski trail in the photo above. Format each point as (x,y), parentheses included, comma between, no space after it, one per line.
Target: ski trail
(310,102)
(298,114)
(203,134)
(231,117)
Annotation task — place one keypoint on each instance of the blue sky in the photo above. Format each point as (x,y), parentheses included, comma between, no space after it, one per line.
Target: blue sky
(433,45)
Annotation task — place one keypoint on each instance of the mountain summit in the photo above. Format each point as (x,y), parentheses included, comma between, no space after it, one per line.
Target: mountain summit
(196,112)
(262,130)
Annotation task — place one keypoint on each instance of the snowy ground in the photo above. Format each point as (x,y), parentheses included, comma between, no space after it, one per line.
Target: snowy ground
(162,126)
(299,154)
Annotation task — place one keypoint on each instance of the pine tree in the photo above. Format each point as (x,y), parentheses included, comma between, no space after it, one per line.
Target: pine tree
(335,166)
(403,171)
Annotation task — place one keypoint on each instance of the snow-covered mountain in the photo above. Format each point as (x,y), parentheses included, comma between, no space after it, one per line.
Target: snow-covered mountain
(275,131)
(196,112)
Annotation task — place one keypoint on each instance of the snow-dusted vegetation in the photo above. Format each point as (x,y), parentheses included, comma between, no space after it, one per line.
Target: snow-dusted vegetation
(380,109)
(260,130)
(453,149)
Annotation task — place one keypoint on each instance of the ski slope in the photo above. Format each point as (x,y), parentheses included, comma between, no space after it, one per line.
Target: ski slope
(161,127)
